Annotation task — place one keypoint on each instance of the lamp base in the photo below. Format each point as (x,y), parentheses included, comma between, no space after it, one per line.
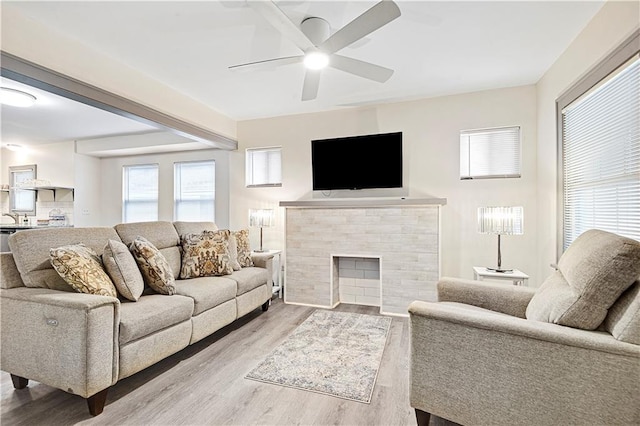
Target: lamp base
(502,271)
(262,250)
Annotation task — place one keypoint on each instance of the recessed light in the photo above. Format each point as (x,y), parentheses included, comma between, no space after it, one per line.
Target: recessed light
(16,98)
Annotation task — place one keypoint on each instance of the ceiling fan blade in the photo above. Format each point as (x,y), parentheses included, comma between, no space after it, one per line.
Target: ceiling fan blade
(281,22)
(361,68)
(311,84)
(379,15)
(267,64)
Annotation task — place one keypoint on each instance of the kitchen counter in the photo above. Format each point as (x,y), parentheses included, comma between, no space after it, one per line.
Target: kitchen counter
(10,227)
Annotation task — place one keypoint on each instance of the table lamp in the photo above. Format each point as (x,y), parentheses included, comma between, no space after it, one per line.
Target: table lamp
(260,218)
(500,221)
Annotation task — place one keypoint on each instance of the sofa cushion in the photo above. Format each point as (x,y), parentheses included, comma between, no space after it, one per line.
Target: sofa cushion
(155,270)
(183,228)
(159,233)
(244,248)
(249,278)
(592,274)
(207,292)
(123,270)
(31,247)
(623,319)
(152,313)
(205,254)
(82,269)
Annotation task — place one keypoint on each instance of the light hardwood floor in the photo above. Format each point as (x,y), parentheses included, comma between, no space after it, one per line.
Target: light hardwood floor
(204,384)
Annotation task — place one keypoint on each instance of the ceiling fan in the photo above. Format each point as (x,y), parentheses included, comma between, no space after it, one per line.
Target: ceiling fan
(319,47)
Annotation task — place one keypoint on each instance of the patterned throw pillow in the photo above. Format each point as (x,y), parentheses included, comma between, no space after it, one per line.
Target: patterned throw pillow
(155,269)
(123,270)
(82,269)
(205,254)
(244,249)
(233,252)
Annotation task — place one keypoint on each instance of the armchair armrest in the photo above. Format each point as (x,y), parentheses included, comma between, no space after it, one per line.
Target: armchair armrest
(480,367)
(62,339)
(9,274)
(507,299)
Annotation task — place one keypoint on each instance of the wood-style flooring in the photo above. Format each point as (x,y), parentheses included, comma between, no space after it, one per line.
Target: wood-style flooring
(204,384)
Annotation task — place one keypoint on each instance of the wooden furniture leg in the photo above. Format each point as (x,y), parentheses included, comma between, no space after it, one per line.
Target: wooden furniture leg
(265,305)
(96,402)
(423,417)
(19,382)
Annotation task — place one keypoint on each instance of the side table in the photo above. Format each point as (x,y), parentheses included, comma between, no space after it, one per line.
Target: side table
(516,276)
(278,285)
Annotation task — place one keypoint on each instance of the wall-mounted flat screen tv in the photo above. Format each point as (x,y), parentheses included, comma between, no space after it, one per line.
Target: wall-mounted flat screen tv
(357,162)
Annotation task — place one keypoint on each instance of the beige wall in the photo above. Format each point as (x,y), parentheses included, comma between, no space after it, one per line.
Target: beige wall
(611,25)
(431,129)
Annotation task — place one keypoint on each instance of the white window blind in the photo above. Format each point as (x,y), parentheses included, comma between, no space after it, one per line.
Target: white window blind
(490,153)
(140,193)
(194,191)
(264,167)
(601,157)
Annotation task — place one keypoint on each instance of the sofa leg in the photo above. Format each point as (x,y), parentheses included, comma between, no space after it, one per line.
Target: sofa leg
(19,382)
(423,417)
(96,402)
(265,305)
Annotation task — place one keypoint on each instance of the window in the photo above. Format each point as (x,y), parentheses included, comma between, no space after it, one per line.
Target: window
(140,193)
(600,146)
(194,191)
(264,167)
(22,201)
(490,153)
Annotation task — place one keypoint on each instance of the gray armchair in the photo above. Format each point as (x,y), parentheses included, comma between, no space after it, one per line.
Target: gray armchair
(494,354)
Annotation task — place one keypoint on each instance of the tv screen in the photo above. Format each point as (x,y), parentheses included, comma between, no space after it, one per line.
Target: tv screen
(357,162)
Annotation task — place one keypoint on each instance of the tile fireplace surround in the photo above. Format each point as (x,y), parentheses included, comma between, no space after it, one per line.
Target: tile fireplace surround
(404,234)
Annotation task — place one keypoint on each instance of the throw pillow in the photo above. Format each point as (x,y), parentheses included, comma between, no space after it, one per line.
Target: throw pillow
(233,252)
(81,268)
(592,274)
(123,270)
(155,269)
(244,249)
(205,254)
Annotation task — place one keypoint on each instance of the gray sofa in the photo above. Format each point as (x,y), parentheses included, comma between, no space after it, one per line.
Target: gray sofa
(84,343)
(566,353)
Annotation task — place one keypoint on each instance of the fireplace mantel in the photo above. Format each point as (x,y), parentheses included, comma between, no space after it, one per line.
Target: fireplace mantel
(364,202)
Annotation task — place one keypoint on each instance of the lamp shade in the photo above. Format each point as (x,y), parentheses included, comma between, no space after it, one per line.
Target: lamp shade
(501,220)
(261,218)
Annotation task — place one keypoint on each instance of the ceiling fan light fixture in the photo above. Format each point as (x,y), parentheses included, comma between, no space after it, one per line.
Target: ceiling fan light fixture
(16,98)
(316,60)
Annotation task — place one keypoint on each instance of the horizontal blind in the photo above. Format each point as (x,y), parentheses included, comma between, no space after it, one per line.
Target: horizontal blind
(601,157)
(490,153)
(194,191)
(140,193)
(264,167)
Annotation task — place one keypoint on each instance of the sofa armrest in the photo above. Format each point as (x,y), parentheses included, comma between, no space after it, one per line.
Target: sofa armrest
(479,367)
(62,339)
(507,299)
(264,260)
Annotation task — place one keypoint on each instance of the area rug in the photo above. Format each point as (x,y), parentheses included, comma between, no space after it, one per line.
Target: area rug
(334,353)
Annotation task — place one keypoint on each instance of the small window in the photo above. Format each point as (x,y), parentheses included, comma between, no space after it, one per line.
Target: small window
(22,201)
(194,186)
(264,167)
(140,193)
(490,153)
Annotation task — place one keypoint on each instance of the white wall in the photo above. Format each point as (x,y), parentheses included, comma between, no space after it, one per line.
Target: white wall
(610,27)
(87,205)
(111,184)
(431,130)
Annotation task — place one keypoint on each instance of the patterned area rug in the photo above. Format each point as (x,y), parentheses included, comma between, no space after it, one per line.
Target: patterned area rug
(334,353)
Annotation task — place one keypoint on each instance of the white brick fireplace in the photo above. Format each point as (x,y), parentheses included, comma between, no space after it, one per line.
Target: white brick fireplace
(401,235)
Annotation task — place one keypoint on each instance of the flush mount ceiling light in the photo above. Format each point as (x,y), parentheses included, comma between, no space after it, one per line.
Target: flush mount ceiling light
(16,98)
(13,147)
(316,60)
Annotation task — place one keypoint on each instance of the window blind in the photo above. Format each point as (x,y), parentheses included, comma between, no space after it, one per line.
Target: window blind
(194,191)
(264,167)
(601,157)
(140,193)
(490,153)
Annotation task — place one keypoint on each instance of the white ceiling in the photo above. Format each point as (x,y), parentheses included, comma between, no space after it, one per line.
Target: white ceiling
(435,48)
